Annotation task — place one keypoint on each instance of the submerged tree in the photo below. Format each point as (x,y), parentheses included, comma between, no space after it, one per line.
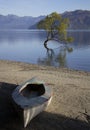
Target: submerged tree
(56,28)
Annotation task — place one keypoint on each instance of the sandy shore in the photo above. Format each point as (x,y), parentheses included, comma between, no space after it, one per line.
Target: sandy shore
(70,106)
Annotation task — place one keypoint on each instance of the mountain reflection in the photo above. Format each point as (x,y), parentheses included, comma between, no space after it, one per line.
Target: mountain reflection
(81,38)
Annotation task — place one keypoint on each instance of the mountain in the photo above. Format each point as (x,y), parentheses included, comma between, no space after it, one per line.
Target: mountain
(79,19)
(16,22)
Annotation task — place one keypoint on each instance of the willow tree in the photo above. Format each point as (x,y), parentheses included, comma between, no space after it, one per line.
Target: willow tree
(56,28)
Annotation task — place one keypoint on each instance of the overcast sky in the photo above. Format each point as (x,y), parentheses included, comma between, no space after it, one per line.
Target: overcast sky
(41,7)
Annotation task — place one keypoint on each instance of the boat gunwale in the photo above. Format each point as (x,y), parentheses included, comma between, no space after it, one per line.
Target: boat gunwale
(32,102)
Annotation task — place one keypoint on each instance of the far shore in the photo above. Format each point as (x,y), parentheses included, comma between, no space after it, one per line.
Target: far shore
(70,106)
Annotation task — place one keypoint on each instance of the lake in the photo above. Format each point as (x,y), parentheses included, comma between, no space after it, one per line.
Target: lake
(27,46)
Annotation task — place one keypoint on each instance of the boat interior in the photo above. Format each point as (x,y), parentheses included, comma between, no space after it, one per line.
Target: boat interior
(33,90)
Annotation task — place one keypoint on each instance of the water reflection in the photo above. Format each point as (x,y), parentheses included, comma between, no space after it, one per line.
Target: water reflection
(81,38)
(27,46)
(78,59)
(53,58)
(14,36)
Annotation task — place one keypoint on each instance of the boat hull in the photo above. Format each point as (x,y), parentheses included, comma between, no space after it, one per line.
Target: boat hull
(29,114)
(28,108)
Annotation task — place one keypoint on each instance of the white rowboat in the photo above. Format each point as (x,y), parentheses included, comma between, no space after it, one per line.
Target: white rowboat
(31,98)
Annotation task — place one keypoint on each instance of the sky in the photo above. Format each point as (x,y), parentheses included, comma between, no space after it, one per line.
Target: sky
(41,7)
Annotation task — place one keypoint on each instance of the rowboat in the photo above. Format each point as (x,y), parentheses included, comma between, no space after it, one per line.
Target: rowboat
(30,98)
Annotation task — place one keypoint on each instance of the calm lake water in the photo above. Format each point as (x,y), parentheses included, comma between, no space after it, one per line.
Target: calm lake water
(27,46)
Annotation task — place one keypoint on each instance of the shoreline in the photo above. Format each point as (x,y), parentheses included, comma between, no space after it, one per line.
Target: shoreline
(45,66)
(71,94)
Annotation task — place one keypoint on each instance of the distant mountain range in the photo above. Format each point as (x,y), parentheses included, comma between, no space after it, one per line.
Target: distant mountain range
(16,22)
(79,19)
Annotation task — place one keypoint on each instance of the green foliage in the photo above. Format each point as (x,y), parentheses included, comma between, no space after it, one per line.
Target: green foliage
(56,27)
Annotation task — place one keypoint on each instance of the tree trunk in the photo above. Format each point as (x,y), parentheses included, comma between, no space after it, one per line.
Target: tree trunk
(45,45)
